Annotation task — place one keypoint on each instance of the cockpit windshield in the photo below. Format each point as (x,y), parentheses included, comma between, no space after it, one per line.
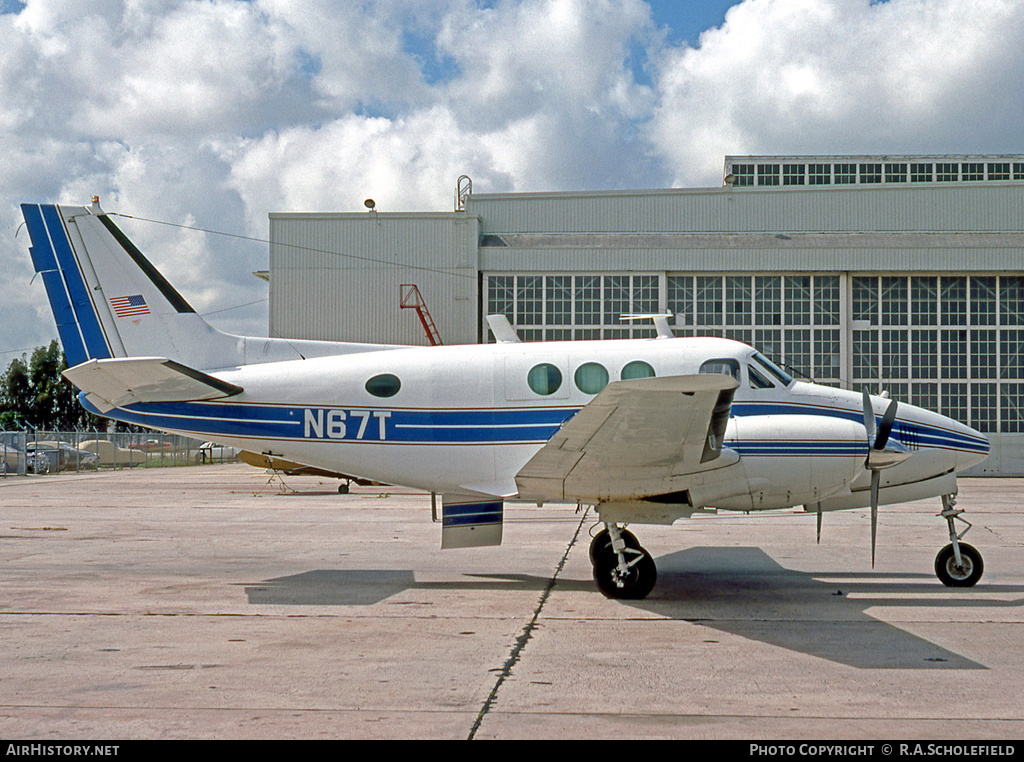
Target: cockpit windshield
(757,381)
(772,368)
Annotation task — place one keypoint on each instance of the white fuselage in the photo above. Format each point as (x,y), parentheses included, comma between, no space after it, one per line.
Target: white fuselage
(466,418)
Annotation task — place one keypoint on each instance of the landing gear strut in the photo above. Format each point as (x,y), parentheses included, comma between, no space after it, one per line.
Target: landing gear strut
(958,564)
(623,569)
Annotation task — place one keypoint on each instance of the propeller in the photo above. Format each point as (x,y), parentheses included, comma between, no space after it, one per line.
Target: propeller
(882,454)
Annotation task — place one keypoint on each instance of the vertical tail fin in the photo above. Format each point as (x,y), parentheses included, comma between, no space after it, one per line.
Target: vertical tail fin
(108,300)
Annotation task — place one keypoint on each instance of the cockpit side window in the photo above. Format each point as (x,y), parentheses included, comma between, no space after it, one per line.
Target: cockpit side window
(757,381)
(725,366)
(772,368)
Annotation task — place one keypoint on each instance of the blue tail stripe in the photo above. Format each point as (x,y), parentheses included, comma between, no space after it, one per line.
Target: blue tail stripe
(92,333)
(64,316)
(56,291)
(42,252)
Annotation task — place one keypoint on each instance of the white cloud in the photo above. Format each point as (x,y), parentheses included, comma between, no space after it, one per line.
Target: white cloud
(843,76)
(213,113)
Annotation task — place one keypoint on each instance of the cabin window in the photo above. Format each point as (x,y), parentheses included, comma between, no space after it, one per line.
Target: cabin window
(757,381)
(591,378)
(544,379)
(636,369)
(725,366)
(384,385)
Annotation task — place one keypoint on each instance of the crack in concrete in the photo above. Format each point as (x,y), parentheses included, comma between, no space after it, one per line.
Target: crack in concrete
(527,633)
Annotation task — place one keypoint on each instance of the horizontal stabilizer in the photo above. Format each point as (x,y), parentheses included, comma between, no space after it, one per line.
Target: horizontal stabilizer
(121,381)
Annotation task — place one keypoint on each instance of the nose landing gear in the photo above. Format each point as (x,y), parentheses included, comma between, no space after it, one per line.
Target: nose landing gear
(958,564)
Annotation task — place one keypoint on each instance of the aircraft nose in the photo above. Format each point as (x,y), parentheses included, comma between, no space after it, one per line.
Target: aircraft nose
(972,447)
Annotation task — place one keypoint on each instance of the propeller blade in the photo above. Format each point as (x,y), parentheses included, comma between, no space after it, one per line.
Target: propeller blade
(869,418)
(875,479)
(885,427)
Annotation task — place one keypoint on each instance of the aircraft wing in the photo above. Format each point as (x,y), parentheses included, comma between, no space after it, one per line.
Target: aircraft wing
(120,381)
(634,440)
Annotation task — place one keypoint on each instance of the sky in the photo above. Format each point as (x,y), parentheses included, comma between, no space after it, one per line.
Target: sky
(214,113)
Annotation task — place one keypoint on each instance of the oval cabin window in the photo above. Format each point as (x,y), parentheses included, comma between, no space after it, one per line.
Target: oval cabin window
(544,379)
(384,385)
(591,378)
(637,369)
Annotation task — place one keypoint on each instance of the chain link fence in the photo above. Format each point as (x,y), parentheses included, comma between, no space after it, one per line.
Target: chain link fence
(57,452)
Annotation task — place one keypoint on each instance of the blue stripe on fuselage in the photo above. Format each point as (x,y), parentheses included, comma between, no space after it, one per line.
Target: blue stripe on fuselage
(468,426)
(926,436)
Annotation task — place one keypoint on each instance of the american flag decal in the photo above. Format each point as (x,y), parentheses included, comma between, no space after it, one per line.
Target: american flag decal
(129,306)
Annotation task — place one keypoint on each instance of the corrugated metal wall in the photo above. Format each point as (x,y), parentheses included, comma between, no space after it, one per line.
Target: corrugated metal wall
(337,276)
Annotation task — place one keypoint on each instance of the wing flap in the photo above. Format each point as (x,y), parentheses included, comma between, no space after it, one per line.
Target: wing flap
(634,440)
(121,381)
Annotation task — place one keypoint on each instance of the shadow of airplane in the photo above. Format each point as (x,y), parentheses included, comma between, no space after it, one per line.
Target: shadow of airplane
(741,591)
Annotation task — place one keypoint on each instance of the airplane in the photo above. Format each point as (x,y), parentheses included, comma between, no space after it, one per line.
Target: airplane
(648,431)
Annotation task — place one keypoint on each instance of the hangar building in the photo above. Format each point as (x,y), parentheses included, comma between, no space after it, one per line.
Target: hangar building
(898,273)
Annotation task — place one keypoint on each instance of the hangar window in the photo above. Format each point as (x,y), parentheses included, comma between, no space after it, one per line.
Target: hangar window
(793,174)
(725,367)
(973,171)
(384,385)
(846,173)
(767,174)
(636,369)
(947,173)
(895,173)
(871,173)
(999,171)
(544,379)
(744,174)
(921,173)
(819,174)
(591,378)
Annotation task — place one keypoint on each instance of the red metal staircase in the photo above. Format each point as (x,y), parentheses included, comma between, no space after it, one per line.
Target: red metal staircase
(412,299)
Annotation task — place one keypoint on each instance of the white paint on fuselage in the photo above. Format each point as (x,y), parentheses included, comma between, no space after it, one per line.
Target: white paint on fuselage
(492,378)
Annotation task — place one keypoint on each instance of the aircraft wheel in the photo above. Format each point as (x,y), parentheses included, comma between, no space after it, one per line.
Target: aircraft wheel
(633,585)
(342,489)
(601,545)
(952,575)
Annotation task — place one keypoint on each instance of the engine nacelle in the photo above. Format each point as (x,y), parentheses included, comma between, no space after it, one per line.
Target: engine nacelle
(795,459)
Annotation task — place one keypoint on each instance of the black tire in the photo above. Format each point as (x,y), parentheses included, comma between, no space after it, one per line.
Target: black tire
(635,586)
(601,545)
(953,576)
(342,489)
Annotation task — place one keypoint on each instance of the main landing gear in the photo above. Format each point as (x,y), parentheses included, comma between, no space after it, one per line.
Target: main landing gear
(623,569)
(958,564)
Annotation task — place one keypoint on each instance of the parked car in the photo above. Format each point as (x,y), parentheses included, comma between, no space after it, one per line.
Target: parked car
(112,455)
(211,452)
(63,457)
(11,459)
(155,446)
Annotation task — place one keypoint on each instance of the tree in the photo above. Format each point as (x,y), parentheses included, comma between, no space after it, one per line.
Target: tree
(35,393)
